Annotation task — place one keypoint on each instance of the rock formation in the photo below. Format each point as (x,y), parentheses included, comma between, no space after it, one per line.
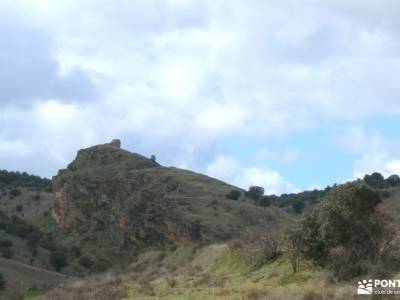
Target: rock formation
(123,202)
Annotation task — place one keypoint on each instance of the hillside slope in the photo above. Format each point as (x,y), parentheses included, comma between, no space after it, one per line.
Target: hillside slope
(114,204)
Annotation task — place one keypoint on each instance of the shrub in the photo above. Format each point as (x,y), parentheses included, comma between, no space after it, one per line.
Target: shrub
(264,201)
(6,243)
(2,282)
(345,232)
(255,193)
(14,193)
(6,252)
(298,206)
(375,180)
(393,180)
(19,207)
(85,262)
(75,251)
(58,260)
(195,230)
(233,195)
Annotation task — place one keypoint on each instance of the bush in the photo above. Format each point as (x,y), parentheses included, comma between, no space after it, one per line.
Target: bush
(234,195)
(393,180)
(255,193)
(2,282)
(14,193)
(19,208)
(58,260)
(85,262)
(75,251)
(100,265)
(6,252)
(346,231)
(264,201)
(17,179)
(6,243)
(298,206)
(375,180)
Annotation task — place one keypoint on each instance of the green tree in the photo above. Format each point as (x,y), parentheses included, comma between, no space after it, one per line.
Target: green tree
(2,282)
(234,195)
(298,206)
(264,201)
(375,180)
(346,232)
(393,180)
(255,193)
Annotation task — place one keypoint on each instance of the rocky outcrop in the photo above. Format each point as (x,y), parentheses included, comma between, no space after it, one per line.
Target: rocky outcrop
(116,143)
(123,202)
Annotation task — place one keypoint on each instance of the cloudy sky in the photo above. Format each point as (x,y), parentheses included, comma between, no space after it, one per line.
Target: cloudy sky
(289,95)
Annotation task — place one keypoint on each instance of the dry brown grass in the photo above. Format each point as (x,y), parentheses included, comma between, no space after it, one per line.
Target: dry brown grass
(106,287)
(256,294)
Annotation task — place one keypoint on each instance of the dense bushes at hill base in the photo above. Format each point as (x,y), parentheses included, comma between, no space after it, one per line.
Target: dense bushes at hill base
(348,233)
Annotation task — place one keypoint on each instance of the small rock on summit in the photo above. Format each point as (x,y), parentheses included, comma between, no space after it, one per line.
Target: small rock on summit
(116,143)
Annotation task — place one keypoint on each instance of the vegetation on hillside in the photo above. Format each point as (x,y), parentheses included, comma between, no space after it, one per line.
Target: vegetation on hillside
(296,202)
(122,207)
(348,234)
(16,180)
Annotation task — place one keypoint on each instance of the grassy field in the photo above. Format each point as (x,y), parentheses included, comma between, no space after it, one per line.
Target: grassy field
(31,294)
(231,278)
(213,272)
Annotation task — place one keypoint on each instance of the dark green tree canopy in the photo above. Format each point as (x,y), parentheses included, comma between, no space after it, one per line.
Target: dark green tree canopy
(234,195)
(393,180)
(375,180)
(255,193)
(346,231)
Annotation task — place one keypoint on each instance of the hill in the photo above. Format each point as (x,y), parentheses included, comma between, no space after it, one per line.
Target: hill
(114,204)
(159,232)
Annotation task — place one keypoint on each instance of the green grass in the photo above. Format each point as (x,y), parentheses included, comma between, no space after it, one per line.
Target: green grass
(231,277)
(31,294)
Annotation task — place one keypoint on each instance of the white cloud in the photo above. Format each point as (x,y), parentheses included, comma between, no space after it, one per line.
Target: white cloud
(230,170)
(393,167)
(179,77)
(14,149)
(376,153)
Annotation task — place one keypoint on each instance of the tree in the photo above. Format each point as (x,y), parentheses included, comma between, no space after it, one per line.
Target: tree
(58,260)
(233,195)
(375,180)
(153,158)
(2,282)
(264,201)
(294,247)
(255,193)
(298,206)
(393,180)
(345,233)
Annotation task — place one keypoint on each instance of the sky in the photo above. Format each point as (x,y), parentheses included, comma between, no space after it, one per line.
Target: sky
(288,95)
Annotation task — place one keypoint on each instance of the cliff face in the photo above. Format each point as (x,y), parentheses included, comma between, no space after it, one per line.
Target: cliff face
(119,202)
(89,181)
